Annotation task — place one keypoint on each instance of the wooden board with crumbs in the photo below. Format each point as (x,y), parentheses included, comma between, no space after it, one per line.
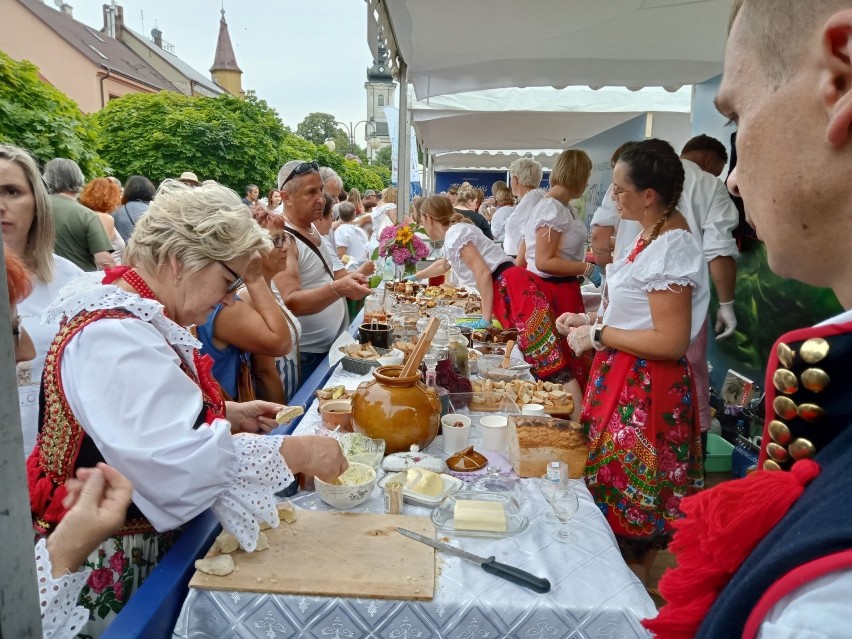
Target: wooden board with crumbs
(336,554)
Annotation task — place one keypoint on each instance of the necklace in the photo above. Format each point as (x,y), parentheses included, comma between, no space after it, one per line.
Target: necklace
(135,280)
(640,246)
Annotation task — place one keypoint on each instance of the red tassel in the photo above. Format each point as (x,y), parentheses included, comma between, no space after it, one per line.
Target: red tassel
(720,528)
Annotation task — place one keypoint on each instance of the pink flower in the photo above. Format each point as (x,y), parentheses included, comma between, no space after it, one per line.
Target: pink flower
(100,579)
(679,476)
(118,562)
(639,417)
(118,589)
(634,515)
(604,475)
(667,459)
(619,479)
(673,504)
(626,437)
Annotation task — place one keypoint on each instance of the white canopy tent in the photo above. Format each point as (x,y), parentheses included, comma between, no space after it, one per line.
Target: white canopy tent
(437,47)
(452,47)
(537,118)
(674,127)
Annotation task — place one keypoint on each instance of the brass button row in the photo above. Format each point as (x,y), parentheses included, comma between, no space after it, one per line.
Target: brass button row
(783,448)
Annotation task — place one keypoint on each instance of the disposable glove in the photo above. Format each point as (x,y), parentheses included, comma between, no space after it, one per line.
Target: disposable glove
(726,321)
(580,339)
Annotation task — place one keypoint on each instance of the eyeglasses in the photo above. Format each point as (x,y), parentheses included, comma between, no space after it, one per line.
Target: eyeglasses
(617,190)
(301,169)
(237,283)
(279,241)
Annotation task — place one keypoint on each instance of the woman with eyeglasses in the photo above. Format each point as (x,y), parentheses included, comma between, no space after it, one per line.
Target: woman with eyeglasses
(28,232)
(639,406)
(234,333)
(165,424)
(277,378)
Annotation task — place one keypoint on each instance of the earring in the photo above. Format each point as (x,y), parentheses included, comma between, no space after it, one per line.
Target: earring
(178,278)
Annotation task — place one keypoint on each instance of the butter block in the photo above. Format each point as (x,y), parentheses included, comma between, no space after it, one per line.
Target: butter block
(479,515)
(424,482)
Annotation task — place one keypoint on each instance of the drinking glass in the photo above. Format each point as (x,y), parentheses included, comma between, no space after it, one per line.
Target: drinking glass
(548,487)
(565,504)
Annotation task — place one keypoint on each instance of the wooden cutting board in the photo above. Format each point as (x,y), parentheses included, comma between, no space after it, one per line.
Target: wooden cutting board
(336,554)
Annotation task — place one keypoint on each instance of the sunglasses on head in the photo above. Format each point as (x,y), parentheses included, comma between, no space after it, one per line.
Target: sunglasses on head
(301,169)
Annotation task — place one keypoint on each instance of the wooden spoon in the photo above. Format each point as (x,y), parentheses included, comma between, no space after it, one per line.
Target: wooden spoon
(420,349)
(507,358)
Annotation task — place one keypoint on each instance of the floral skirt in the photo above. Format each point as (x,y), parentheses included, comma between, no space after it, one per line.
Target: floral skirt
(519,303)
(644,442)
(566,297)
(119,566)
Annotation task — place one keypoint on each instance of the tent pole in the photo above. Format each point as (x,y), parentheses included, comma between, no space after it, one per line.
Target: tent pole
(20,614)
(403,162)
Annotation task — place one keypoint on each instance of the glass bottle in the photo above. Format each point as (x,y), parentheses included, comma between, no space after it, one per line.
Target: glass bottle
(404,322)
(440,344)
(459,358)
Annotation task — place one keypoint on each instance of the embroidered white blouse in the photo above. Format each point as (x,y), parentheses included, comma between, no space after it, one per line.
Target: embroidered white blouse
(460,235)
(123,382)
(674,258)
(553,215)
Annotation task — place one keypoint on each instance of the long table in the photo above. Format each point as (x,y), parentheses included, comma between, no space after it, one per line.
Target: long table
(594,594)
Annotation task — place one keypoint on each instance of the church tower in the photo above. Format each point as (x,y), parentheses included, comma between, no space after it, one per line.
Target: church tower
(225,71)
(381,92)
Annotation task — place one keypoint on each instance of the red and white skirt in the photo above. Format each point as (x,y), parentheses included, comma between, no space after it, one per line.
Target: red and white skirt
(644,441)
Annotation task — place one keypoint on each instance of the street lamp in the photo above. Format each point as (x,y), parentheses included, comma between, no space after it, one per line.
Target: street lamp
(373,141)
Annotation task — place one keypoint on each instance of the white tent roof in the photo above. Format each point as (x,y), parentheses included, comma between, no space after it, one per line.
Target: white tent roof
(535,118)
(673,127)
(451,46)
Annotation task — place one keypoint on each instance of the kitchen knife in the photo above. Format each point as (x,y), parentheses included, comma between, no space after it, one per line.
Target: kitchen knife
(515,575)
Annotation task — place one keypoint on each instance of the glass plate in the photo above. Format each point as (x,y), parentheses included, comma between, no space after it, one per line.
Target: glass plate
(444,519)
(451,485)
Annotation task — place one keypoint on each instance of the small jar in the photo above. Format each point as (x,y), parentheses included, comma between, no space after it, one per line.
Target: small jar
(404,322)
(375,309)
(459,357)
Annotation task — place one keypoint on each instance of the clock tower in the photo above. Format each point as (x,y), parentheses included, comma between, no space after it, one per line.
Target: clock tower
(381,92)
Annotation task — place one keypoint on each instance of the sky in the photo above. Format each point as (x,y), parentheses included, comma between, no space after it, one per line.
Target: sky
(300,56)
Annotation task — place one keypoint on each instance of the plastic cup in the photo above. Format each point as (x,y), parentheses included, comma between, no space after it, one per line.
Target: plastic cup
(455,429)
(532,409)
(495,433)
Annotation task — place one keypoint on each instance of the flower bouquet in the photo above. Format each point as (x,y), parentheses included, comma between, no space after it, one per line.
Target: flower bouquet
(402,246)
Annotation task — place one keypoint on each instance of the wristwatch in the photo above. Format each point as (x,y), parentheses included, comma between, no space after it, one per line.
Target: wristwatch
(597,334)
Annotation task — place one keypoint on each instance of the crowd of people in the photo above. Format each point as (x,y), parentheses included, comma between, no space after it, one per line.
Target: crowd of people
(198,265)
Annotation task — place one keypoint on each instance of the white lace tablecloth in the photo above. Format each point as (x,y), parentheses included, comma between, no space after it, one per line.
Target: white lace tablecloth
(593,595)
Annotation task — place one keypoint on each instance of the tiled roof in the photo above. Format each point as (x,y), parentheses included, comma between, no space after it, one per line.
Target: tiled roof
(225,59)
(98,47)
(183,68)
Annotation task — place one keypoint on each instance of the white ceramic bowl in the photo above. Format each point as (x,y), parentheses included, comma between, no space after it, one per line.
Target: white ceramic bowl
(359,480)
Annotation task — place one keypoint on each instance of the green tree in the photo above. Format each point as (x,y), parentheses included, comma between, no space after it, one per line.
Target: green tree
(36,116)
(354,175)
(233,141)
(316,127)
(383,157)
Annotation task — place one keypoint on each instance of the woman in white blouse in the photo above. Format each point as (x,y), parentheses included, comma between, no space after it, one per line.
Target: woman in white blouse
(28,232)
(554,243)
(165,425)
(639,407)
(509,294)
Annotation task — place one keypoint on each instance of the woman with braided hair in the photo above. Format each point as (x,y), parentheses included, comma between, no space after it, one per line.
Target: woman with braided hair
(644,440)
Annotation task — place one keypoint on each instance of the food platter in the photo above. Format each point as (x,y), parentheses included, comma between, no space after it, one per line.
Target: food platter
(488,395)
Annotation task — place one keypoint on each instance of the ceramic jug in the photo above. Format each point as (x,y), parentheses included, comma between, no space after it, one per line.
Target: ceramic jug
(400,410)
